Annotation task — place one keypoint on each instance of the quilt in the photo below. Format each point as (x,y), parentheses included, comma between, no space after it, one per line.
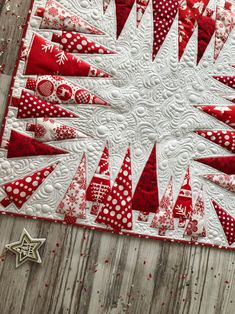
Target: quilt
(121,118)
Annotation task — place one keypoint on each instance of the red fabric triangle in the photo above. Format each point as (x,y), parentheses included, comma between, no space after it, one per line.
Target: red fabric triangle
(206,29)
(32,107)
(117,211)
(145,197)
(45,58)
(227,221)
(21,146)
(141,6)
(225,181)
(105,5)
(164,13)
(123,10)
(226,80)
(224,113)
(224,164)
(20,190)
(57,90)
(223,138)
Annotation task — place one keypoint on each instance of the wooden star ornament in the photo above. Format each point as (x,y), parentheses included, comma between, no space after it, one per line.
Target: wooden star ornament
(26,249)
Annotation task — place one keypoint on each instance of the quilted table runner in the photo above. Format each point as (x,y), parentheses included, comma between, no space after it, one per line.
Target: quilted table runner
(121,118)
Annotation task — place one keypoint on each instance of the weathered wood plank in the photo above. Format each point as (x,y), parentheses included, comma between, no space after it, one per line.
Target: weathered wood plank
(92,272)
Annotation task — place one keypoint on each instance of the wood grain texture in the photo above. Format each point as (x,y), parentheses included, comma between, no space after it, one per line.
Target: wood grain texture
(91,272)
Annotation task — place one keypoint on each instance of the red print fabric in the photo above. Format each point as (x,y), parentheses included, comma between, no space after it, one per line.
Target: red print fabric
(73,204)
(78,43)
(55,16)
(145,198)
(224,113)
(190,12)
(33,107)
(225,181)
(58,90)
(224,164)
(117,211)
(227,80)
(100,185)
(227,221)
(45,58)
(206,30)
(46,130)
(164,13)
(141,6)
(123,9)
(163,220)
(20,190)
(196,226)
(183,205)
(105,5)
(20,145)
(223,138)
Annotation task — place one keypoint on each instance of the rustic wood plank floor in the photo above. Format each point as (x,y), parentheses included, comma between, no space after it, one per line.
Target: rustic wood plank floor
(92,272)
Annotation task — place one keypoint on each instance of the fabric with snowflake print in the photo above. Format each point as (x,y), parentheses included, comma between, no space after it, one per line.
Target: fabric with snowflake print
(20,190)
(100,185)
(225,181)
(46,130)
(58,90)
(163,220)
(196,226)
(73,204)
(30,106)
(55,16)
(183,205)
(117,210)
(45,58)
(141,6)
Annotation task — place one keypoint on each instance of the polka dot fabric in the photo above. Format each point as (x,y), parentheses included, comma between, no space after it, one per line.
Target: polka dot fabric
(227,221)
(117,211)
(78,43)
(19,191)
(29,106)
(227,80)
(164,13)
(222,138)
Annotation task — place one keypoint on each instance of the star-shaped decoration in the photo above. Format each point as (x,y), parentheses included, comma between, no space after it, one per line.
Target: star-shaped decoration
(26,249)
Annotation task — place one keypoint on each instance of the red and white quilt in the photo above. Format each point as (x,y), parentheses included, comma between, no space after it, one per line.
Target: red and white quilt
(121,117)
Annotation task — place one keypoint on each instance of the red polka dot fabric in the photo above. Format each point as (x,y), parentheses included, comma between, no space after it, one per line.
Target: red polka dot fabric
(44,58)
(223,138)
(224,164)
(227,80)
(30,106)
(20,190)
(78,43)
(117,210)
(227,221)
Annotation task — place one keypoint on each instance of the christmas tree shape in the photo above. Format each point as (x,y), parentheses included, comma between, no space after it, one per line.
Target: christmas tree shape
(100,185)
(224,25)
(196,225)
(225,181)
(226,80)
(57,90)
(20,190)
(206,30)
(117,210)
(183,206)
(227,221)
(223,138)
(141,6)
(145,198)
(44,58)
(163,220)
(46,130)
(190,12)
(20,145)
(55,16)
(164,13)
(30,106)
(225,114)
(224,164)
(73,204)
(77,43)
(123,10)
